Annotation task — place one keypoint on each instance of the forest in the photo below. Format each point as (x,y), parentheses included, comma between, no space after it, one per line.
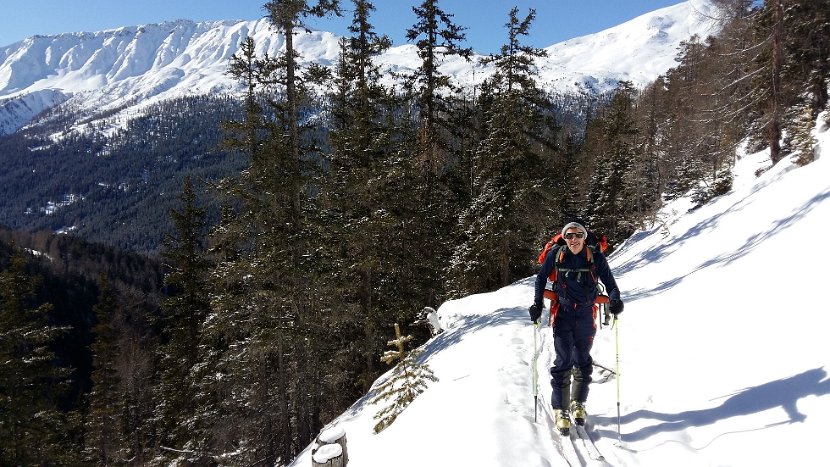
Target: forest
(335,207)
(117,188)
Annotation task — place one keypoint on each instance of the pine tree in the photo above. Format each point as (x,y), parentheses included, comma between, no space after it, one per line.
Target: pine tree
(408,380)
(801,138)
(610,200)
(182,314)
(360,194)
(104,440)
(771,94)
(504,218)
(436,151)
(265,292)
(33,430)
(566,187)
(436,37)
(807,46)
(805,72)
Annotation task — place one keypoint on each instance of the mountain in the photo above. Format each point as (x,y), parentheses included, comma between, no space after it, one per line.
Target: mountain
(722,348)
(115,75)
(97,130)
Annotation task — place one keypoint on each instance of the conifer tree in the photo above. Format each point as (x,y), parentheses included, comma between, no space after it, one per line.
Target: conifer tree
(408,380)
(104,440)
(436,37)
(359,193)
(771,93)
(436,151)
(566,186)
(265,293)
(610,200)
(504,220)
(33,430)
(807,46)
(228,324)
(136,350)
(805,72)
(182,314)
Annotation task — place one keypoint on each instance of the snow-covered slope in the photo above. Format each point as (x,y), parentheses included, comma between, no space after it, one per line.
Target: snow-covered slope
(723,352)
(131,67)
(637,51)
(17,111)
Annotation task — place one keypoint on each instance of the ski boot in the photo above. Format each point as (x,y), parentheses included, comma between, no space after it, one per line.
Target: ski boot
(578,412)
(563,421)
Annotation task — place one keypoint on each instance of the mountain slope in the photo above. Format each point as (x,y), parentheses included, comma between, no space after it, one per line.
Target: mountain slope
(130,68)
(722,347)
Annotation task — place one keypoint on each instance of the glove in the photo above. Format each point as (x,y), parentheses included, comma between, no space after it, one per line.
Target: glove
(535,312)
(616,306)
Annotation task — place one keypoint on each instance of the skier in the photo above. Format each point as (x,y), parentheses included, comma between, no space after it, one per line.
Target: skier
(577,268)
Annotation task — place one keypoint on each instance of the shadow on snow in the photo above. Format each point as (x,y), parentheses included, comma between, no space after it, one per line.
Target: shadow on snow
(784,393)
(657,253)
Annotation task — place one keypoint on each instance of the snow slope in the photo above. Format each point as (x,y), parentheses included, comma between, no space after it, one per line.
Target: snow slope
(722,352)
(132,67)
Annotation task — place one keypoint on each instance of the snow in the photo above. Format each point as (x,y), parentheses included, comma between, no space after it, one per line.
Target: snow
(331,435)
(16,112)
(327,452)
(722,355)
(631,46)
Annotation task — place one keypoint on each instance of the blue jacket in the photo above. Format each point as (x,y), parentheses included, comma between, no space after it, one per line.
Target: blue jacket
(576,288)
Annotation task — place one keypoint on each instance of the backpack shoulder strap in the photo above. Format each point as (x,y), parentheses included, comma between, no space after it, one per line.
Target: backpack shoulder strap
(560,255)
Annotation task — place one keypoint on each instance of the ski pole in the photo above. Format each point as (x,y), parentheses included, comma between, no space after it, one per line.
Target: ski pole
(535,371)
(617,345)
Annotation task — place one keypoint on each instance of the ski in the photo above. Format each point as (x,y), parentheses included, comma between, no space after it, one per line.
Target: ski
(568,448)
(588,443)
(566,444)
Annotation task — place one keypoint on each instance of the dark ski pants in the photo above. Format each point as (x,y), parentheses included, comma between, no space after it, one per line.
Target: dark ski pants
(573,336)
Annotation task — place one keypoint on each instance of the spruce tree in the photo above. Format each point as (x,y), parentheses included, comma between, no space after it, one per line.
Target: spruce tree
(504,221)
(359,194)
(182,314)
(770,30)
(407,381)
(265,292)
(805,72)
(104,439)
(807,45)
(33,430)
(436,151)
(610,203)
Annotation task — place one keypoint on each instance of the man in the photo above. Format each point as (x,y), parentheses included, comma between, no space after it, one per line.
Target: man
(577,268)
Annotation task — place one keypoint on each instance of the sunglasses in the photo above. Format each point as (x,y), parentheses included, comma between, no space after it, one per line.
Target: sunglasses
(571,235)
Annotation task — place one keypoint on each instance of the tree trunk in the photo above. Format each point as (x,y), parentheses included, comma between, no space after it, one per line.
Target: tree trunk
(331,450)
(774,123)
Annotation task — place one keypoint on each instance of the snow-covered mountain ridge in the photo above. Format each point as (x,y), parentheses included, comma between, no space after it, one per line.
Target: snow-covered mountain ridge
(131,67)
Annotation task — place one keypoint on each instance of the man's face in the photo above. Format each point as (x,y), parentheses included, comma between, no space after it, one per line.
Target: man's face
(575,239)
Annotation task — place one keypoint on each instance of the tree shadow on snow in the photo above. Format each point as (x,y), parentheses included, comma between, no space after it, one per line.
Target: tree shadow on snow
(784,393)
(658,252)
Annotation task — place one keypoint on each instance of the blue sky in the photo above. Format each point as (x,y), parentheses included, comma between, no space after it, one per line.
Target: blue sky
(557,20)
